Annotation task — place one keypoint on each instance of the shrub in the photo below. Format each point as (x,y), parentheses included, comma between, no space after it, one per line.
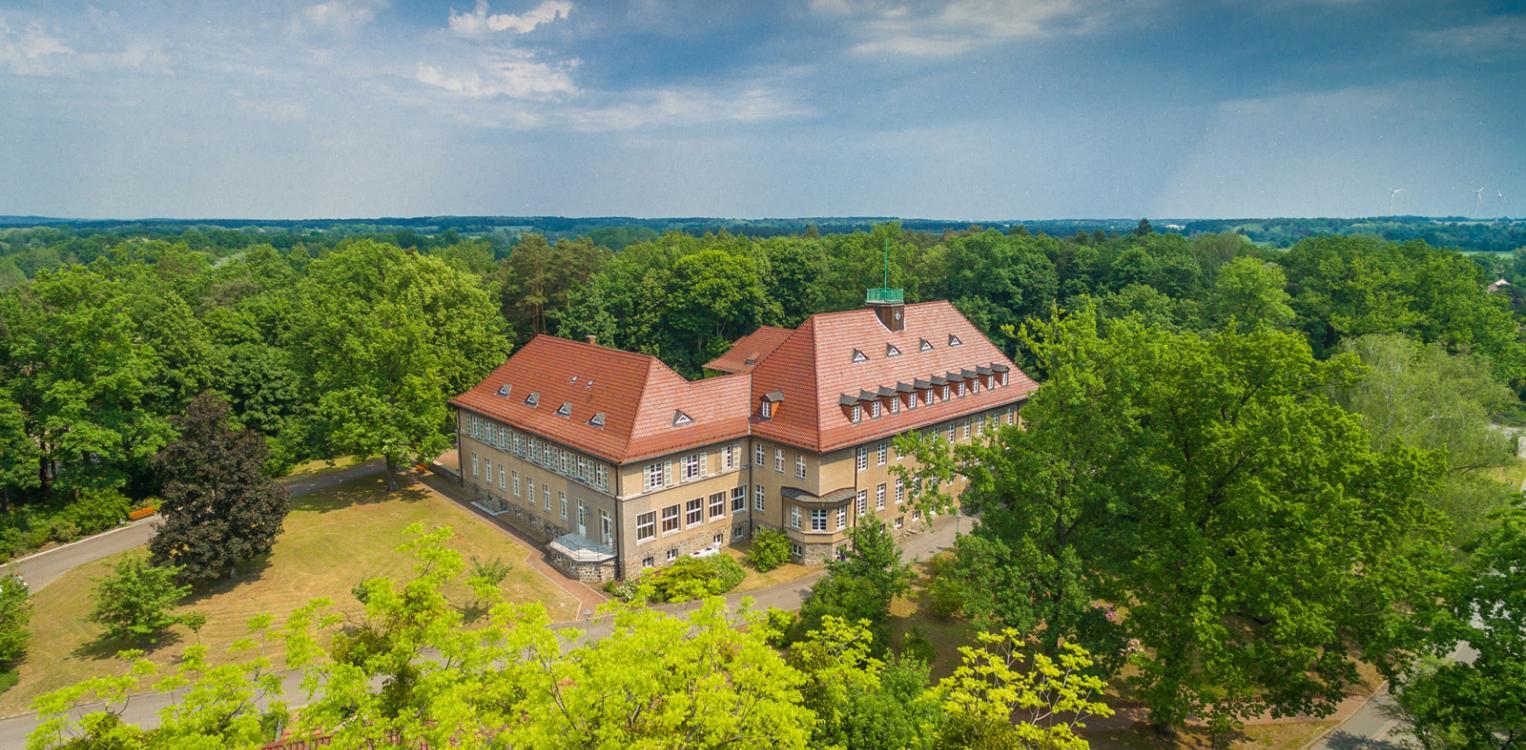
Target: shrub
(945,589)
(915,645)
(15,612)
(135,602)
(780,625)
(770,549)
(96,511)
(687,578)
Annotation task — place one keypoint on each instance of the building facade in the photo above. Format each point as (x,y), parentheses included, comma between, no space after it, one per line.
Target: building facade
(616,463)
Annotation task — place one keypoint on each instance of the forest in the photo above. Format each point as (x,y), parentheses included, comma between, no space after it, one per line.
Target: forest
(330,344)
(1355,391)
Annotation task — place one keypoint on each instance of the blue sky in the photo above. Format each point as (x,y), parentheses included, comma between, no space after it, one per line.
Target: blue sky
(971,109)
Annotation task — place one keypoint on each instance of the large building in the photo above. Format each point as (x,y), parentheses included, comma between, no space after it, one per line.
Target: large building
(619,463)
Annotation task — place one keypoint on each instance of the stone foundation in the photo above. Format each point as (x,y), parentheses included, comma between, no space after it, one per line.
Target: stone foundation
(587,572)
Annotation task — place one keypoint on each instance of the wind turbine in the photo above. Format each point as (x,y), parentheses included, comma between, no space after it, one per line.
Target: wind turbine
(1478,200)
(1392,194)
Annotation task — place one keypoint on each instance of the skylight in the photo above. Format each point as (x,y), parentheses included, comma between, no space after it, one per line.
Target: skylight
(891,351)
(681,419)
(503,390)
(859,356)
(533,399)
(925,346)
(597,420)
(565,410)
(954,340)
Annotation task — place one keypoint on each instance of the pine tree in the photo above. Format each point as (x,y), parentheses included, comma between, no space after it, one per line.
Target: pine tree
(219,508)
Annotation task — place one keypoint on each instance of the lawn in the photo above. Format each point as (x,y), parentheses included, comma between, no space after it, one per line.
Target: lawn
(756,579)
(332,540)
(1512,474)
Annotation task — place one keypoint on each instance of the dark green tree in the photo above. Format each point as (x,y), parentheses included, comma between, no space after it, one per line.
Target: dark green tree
(219,508)
(15,616)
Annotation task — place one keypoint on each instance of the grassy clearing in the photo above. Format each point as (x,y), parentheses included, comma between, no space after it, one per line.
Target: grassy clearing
(332,540)
(1512,474)
(755,579)
(8,679)
(319,466)
(946,635)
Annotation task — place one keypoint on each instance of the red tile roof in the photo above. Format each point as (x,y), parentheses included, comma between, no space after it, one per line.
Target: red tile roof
(638,396)
(815,367)
(807,371)
(746,352)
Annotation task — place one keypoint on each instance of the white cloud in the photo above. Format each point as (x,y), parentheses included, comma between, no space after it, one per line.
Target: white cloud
(961,26)
(338,16)
(1498,35)
(686,107)
(519,78)
(34,51)
(479,22)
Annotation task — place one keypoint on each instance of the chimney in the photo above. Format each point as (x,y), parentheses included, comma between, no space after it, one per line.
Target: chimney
(593,340)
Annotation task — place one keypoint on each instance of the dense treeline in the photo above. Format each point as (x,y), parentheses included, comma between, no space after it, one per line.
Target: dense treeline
(329,345)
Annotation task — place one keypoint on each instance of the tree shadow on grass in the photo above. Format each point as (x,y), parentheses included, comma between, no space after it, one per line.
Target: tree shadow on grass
(247,571)
(358,492)
(108,648)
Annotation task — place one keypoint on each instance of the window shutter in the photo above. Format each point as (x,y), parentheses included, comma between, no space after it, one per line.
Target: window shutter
(704,464)
(667,473)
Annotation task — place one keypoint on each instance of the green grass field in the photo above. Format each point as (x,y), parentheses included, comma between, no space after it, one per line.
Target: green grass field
(332,540)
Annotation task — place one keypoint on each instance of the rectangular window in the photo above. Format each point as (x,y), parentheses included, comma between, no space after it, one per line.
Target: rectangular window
(796,550)
(503,482)
(757,455)
(779,460)
(717,505)
(718,539)
(857,414)
(670,519)
(895,404)
(879,453)
(648,561)
(516,484)
(530,485)
(861,505)
(979,425)
(1004,379)
(945,393)
(729,458)
(758,497)
(800,466)
(646,526)
(879,497)
(739,499)
(606,529)
(959,389)
(652,476)
(672,554)
(874,409)
(767,411)
(600,476)
(911,401)
(927,397)
(561,497)
(966,428)
(794,516)
(564,507)
(900,490)
(474,465)
(545,499)
(694,511)
(688,468)
(842,518)
(818,519)
(951,432)
(583,472)
(862,459)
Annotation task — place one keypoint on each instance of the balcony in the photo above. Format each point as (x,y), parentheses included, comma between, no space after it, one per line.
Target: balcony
(885,296)
(577,549)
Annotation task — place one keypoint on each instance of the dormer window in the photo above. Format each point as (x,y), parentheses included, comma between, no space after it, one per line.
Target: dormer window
(597,420)
(954,340)
(874,409)
(766,411)
(770,404)
(891,351)
(503,390)
(565,410)
(925,345)
(856,414)
(533,399)
(859,356)
(681,419)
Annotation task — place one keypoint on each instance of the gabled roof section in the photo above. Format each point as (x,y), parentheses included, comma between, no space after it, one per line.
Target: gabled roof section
(813,368)
(746,352)
(632,399)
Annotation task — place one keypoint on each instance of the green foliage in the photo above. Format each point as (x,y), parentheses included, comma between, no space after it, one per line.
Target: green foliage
(134,602)
(990,702)
(769,549)
(685,579)
(1477,705)
(15,617)
(219,509)
(1250,292)
(916,647)
(860,587)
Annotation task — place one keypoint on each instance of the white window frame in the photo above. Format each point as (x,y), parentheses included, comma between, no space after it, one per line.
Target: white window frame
(818,520)
(794,517)
(564,507)
(545,499)
(516,483)
(759,498)
(738,499)
(779,460)
(692,508)
(646,526)
(900,490)
(927,397)
(766,411)
(861,503)
(861,457)
(759,455)
(474,465)
(842,518)
(673,521)
(879,453)
(879,496)
(652,476)
(857,414)
(688,468)
(874,409)
(717,505)
(895,404)
(800,466)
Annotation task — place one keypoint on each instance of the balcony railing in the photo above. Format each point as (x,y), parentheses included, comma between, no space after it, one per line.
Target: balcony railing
(885,294)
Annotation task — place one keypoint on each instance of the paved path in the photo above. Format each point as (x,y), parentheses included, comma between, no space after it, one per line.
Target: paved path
(143,710)
(43,568)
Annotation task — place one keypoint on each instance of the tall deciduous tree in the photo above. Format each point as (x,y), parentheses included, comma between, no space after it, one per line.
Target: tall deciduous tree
(1251,292)
(219,507)
(15,614)
(860,586)
(1255,543)
(385,337)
